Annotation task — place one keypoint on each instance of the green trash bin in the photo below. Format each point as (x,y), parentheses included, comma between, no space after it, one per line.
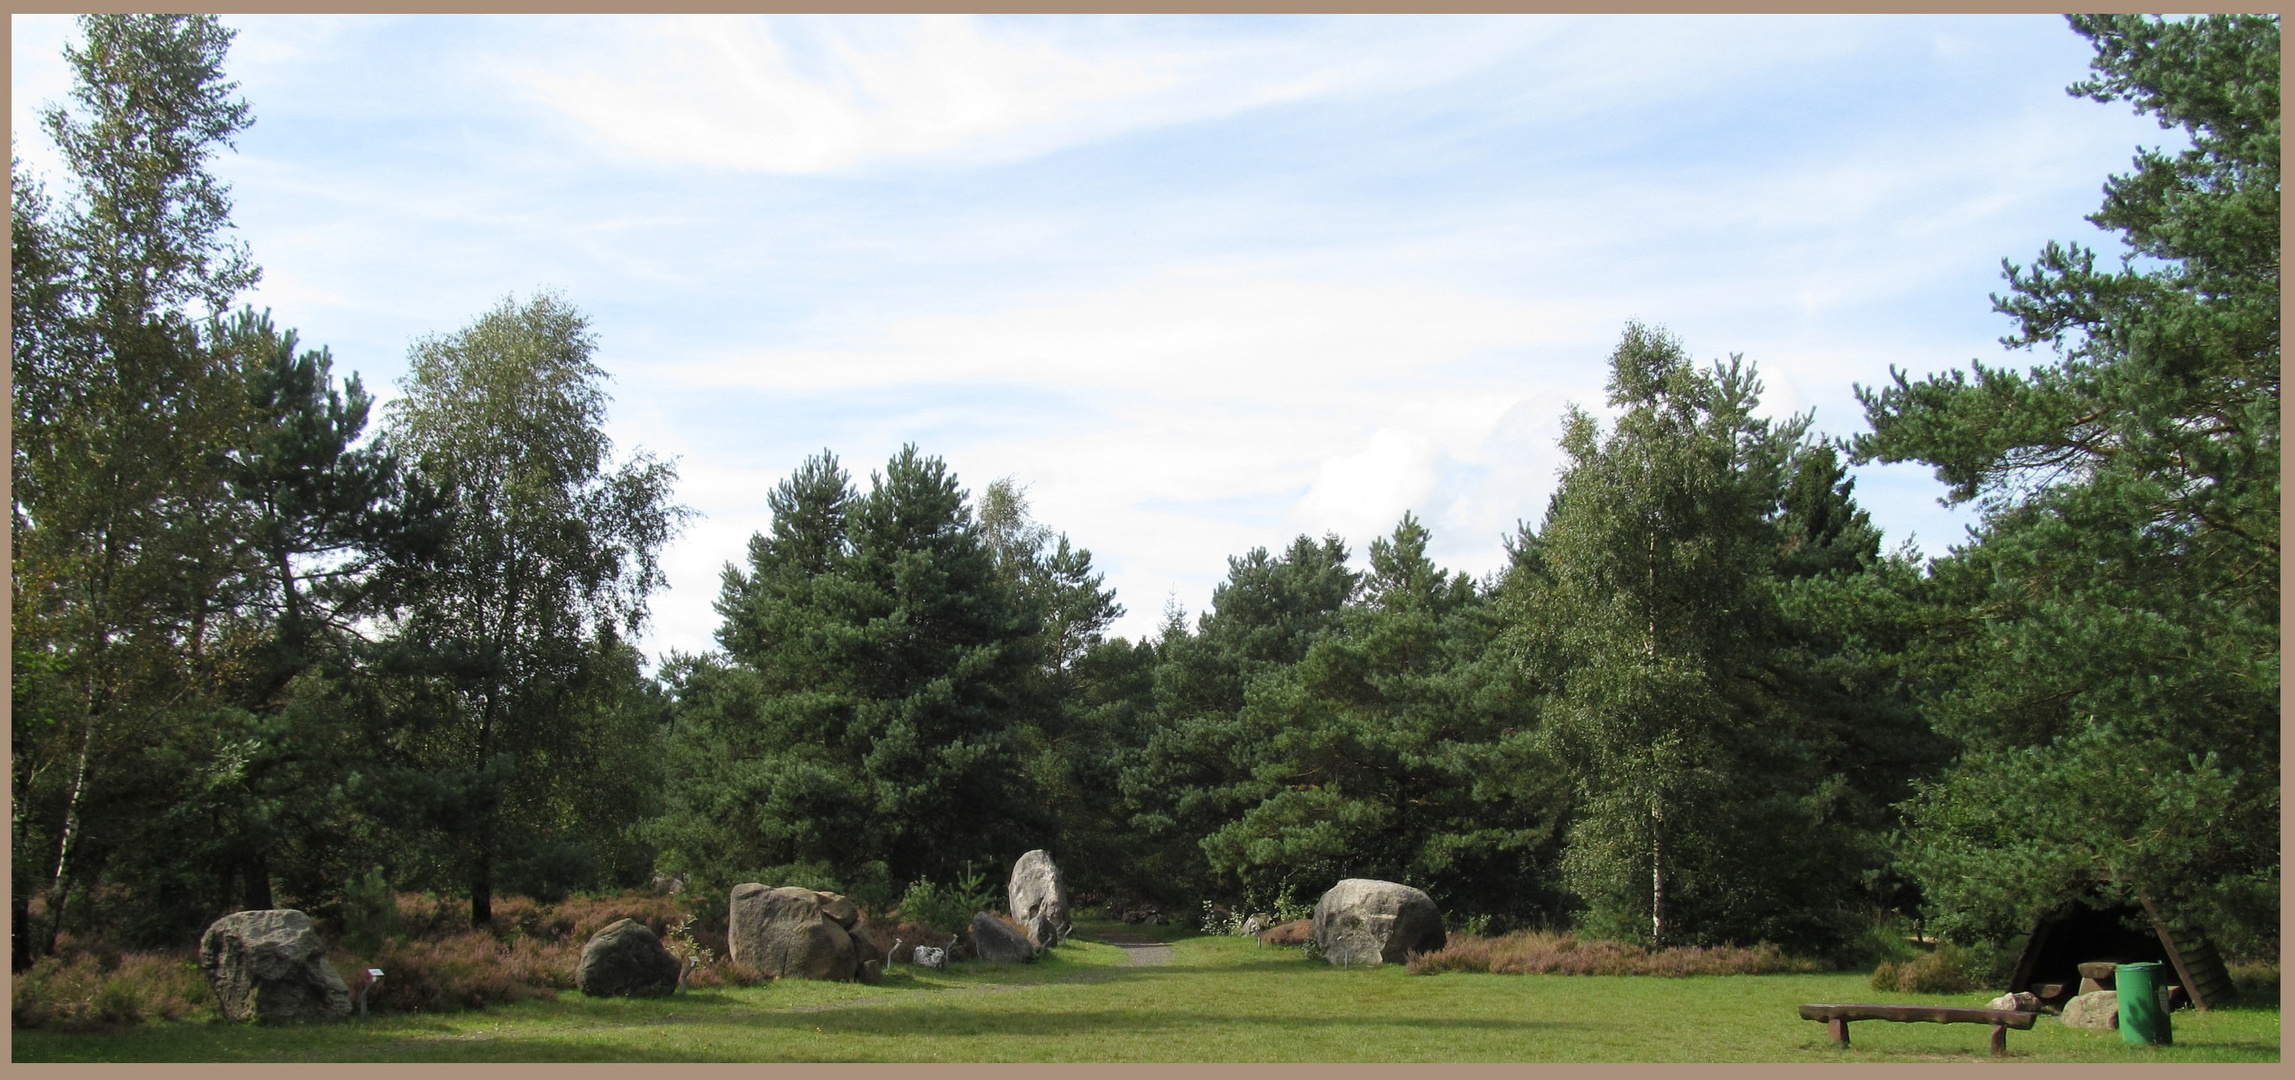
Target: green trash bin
(2143,1012)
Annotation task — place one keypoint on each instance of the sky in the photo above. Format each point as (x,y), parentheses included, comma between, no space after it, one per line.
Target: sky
(1198,283)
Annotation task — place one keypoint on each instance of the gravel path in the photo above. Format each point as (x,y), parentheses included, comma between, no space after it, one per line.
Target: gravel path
(1142,953)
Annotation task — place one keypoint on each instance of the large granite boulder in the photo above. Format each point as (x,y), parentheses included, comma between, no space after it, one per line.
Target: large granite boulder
(2096,1009)
(1361,921)
(271,966)
(995,941)
(626,959)
(793,932)
(1039,901)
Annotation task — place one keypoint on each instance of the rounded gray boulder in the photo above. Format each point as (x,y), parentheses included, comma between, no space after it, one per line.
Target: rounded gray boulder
(626,959)
(1363,921)
(270,966)
(995,941)
(1038,900)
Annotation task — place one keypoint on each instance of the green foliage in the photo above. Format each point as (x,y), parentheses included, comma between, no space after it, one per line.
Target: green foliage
(1193,770)
(868,711)
(948,908)
(1671,606)
(1283,907)
(2107,651)
(369,910)
(1395,748)
(1947,969)
(513,711)
(129,544)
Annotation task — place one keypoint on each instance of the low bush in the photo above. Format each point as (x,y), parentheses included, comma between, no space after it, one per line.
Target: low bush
(470,970)
(899,941)
(1947,969)
(947,908)
(97,988)
(437,963)
(2256,980)
(1531,952)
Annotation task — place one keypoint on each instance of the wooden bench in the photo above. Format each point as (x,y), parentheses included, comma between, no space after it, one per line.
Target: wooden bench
(1838,1017)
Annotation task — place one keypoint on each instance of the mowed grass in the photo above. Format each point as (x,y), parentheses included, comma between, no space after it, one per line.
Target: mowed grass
(1220,999)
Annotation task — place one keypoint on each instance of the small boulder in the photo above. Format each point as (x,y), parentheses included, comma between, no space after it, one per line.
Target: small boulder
(1362,921)
(997,942)
(792,932)
(2097,1009)
(1252,926)
(1295,932)
(2019,1001)
(270,966)
(868,962)
(626,959)
(1039,902)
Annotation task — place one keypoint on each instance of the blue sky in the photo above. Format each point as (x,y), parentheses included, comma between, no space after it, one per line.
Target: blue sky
(1200,283)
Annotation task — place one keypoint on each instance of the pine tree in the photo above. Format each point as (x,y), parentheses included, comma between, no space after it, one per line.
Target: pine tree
(862,727)
(2106,651)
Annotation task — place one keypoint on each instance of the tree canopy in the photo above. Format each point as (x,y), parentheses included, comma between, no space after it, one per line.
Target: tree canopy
(2111,664)
(264,655)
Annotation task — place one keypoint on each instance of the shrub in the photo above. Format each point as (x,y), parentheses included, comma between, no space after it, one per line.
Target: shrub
(470,970)
(947,909)
(2256,979)
(1948,969)
(1530,952)
(369,911)
(1883,940)
(97,987)
(908,935)
(437,963)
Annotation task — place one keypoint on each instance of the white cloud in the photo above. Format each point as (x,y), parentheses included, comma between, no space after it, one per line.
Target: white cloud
(1364,493)
(810,95)
(1206,333)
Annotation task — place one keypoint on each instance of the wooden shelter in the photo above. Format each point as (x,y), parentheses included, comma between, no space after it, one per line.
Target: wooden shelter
(2079,932)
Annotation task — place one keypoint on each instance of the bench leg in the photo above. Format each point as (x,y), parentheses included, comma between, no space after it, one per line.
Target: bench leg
(1840,1029)
(1999,1040)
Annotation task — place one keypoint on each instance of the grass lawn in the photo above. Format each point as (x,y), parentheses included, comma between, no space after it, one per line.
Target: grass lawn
(1220,999)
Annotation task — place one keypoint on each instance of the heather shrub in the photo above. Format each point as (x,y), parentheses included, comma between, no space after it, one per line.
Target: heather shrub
(470,970)
(899,941)
(1531,952)
(97,987)
(437,963)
